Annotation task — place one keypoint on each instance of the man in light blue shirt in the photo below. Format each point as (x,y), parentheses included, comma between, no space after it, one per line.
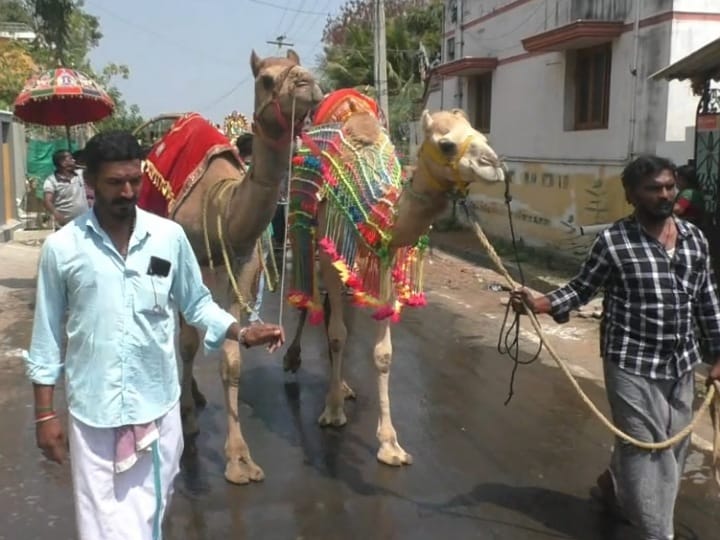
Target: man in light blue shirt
(118,274)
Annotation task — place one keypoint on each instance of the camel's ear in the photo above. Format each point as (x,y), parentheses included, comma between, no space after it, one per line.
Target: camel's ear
(460,113)
(292,55)
(255,63)
(427,120)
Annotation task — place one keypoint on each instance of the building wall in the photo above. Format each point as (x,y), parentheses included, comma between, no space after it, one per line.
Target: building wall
(8,190)
(562,178)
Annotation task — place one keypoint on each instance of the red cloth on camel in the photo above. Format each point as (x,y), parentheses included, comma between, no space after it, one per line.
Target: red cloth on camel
(178,160)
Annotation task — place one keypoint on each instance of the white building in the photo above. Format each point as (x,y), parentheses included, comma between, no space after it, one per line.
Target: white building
(562,89)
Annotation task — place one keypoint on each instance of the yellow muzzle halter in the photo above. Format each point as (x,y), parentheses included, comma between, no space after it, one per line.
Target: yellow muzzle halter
(433,153)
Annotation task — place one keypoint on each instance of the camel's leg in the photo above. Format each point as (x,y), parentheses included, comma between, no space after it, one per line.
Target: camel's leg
(198,397)
(390,452)
(348,393)
(334,413)
(189,343)
(292,360)
(240,467)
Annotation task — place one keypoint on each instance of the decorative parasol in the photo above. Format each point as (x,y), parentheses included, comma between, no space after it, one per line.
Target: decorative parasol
(62,97)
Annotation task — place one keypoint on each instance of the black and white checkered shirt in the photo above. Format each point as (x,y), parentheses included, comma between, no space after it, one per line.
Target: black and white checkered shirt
(651,299)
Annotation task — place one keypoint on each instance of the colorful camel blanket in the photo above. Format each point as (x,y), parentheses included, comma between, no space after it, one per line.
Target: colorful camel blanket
(178,160)
(360,188)
(339,105)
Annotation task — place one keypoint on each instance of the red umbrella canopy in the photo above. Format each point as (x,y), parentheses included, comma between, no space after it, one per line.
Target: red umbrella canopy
(62,97)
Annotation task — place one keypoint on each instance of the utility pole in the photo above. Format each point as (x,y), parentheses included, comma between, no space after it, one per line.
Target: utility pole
(280,42)
(381,82)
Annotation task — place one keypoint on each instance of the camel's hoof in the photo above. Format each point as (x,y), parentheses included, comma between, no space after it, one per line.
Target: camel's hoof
(292,360)
(240,472)
(393,455)
(332,416)
(348,393)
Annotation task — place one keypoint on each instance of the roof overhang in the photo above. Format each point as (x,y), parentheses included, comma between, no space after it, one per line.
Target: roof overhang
(703,64)
(467,67)
(576,35)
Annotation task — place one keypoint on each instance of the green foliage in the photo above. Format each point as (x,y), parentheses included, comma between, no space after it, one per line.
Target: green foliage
(412,26)
(126,117)
(15,11)
(16,65)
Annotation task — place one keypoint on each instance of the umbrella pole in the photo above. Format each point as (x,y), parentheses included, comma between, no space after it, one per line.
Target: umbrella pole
(67,133)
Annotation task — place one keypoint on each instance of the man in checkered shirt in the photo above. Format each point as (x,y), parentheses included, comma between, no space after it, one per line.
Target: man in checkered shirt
(659,288)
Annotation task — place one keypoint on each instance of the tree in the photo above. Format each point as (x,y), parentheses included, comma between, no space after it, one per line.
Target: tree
(15,11)
(52,19)
(126,117)
(348,61)
(16,65)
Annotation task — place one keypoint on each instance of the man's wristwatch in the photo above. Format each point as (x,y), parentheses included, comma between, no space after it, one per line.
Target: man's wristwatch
(242,337)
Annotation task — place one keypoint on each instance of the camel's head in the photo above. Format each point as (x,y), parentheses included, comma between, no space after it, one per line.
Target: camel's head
(455,153)
(280,84)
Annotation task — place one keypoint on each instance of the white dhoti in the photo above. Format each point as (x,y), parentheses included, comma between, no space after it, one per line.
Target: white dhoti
(130,504)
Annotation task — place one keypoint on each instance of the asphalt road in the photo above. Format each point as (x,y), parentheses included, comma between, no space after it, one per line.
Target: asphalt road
(481,469)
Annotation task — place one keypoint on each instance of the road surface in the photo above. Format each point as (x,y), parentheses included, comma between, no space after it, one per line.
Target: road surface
(482,470)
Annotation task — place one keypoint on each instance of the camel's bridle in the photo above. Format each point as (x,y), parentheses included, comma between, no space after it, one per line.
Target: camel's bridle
(429,151)
(287,132)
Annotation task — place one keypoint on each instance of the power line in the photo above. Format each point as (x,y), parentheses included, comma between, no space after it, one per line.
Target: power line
(151,31)
(295,18)
(312,20)
(282,19)
(278,6)
(226,94)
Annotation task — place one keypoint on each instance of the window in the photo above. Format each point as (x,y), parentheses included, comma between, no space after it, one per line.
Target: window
(592,87)
(453,9)
(481,90)
(450,50)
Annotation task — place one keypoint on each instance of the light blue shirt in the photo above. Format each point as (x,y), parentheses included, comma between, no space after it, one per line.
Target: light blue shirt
(120,364)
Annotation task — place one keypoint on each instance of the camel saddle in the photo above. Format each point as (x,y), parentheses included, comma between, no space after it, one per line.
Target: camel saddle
(178,160)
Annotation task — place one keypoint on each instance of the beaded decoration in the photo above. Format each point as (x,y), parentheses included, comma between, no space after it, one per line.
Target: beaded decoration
(360,187)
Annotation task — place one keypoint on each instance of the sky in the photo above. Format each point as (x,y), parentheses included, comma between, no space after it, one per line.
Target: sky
(194,55)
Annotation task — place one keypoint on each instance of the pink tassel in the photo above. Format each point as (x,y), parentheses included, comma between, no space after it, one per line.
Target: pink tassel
(383,313)
(316,316)
(416,300)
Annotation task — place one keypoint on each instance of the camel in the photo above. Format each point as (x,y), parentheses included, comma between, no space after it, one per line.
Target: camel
(224,214)
(452,157)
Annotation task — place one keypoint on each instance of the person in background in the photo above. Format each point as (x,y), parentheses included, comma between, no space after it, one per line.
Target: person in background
(64,190)
(109,284)
(655,273)
(79,158)
(690,202)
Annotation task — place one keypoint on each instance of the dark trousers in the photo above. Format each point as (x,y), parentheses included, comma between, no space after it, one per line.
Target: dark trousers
(278,224)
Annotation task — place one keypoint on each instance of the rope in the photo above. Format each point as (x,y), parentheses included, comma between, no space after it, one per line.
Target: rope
(509,337)
(219,191)
(287,215)
(711,398)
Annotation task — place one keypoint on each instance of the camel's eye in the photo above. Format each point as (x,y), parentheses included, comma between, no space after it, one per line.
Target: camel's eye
(447,147)
(267,81)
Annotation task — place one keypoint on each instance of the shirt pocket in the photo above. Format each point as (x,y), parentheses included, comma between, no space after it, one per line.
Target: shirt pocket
(689,272)
(152,296)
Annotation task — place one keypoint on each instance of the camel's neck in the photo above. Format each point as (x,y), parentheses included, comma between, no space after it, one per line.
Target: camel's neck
(419,205)
(255,199)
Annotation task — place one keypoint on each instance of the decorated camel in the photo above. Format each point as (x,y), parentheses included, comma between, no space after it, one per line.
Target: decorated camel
(349,205)
(194,176)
